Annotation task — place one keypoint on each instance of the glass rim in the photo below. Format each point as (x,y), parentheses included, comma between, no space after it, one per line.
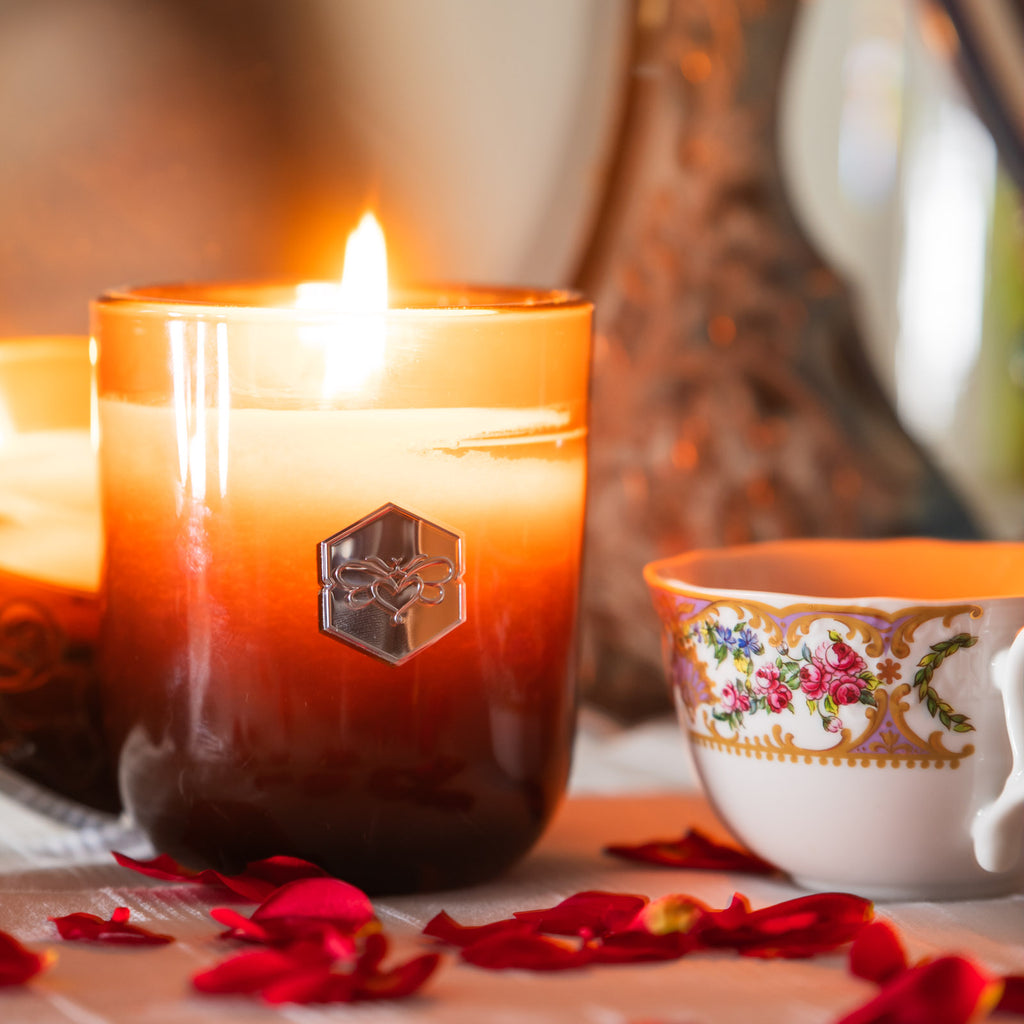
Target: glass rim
(239,298)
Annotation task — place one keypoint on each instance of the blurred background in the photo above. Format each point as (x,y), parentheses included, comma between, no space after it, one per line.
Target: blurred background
(800,221)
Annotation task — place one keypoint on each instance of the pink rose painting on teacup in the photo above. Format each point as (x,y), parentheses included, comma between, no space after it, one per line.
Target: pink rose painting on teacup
(724,664)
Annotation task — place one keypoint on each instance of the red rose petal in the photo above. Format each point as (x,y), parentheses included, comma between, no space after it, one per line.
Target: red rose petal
(447,929)
(693,850)
(949,990)
(401,981)
(527,952)
(325,909)
(633,947)
(1012,998)
(301,974)
(286,932)
(310,985)
(623,928)
(327,899)
(18,964)
(800,927)
(255,883)
(263,877)
(586,914)
(163,867)
(83,927)
(246,973)
(877,954)
(679,913)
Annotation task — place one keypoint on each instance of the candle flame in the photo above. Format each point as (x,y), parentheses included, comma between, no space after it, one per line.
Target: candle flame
(355,347)
(364,278)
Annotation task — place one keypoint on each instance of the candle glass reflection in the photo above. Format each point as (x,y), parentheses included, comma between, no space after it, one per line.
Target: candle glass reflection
(341,573)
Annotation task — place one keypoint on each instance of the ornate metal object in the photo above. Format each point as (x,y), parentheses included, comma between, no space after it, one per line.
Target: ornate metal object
(391,584)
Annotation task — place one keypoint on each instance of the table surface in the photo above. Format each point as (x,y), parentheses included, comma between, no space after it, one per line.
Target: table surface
(48,870)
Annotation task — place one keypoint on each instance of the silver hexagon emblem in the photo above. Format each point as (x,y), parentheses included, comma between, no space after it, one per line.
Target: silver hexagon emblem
(391,584)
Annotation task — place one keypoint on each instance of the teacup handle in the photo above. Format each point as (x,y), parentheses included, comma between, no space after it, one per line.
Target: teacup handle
(998,828)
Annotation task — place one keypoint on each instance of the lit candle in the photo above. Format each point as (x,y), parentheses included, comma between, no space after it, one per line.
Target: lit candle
(49,492)
(342,568)
(49,567)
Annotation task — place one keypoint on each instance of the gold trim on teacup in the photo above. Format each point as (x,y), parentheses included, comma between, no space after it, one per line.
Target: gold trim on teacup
(763,617)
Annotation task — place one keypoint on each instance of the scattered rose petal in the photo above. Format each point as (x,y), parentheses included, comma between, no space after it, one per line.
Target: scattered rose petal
(301,973)
(254,884)
(251,972)
(801,927)
(448,930)
(633,947)
(118,930)
(328,898)
(326,908)
(949,990)
(528,951)
(586,914)
(696,851)
(18,964)
(1012,998)
(623,928)
(163,867)
(684,914)
(877,953)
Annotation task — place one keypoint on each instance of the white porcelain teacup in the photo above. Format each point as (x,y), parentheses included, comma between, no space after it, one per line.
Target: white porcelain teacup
(855,709)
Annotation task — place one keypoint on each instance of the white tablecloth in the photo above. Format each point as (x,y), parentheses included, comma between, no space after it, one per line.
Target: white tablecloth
(627,787)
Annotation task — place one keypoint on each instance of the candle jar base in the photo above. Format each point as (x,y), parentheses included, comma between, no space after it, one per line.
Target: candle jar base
(414,828)
(397,780)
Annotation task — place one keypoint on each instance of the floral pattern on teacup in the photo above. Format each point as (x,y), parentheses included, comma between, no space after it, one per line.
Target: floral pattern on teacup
(828,678)
(766,682)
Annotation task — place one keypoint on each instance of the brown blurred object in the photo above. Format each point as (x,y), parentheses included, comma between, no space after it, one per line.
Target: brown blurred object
(732,398)
(163,141)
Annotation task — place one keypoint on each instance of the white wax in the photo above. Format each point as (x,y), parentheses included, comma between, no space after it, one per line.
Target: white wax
(350,461)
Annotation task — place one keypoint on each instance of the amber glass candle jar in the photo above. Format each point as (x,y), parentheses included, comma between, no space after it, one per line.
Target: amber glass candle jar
(342,563)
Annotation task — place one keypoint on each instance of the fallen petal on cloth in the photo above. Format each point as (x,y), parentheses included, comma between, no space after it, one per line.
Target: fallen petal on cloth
(528,952)
(445,928)
(696,851)
(18,964)
(797,928)
(948,990)
(83,927)
(302,973)
(324,908)
(877,953)
(605,928)
(254,884)
(1012,998)
(586,914)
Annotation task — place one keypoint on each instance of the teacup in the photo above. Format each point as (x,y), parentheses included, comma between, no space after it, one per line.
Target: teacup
(854,708)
